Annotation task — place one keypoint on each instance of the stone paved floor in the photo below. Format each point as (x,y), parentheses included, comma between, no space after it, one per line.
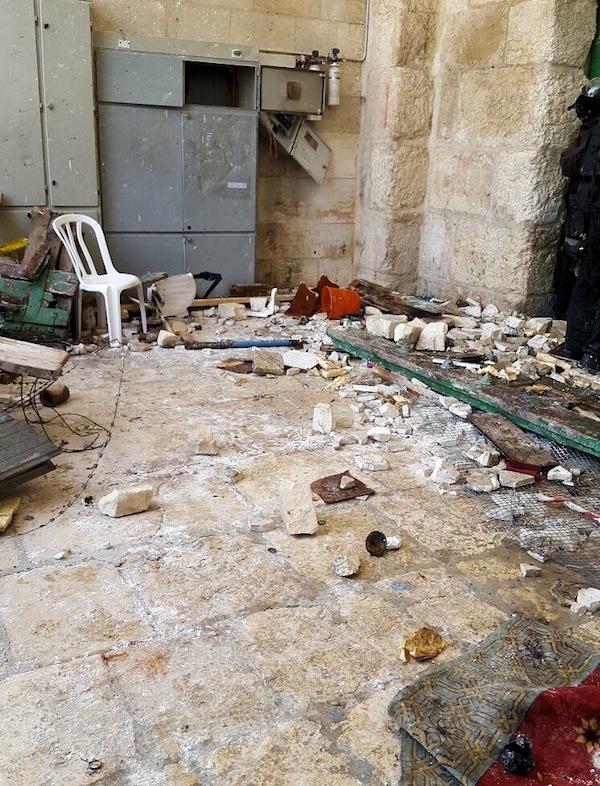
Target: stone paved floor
(179,648)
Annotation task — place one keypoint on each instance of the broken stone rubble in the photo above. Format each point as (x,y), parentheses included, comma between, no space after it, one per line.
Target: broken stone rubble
(126,501)
(297,508)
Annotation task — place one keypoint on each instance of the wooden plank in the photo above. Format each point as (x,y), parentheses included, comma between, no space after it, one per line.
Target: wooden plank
(545,415)
(215,301)
(23,357)
(372,294)
(510,440)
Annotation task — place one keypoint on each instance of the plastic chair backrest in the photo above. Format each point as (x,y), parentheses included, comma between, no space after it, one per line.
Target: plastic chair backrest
(69,228)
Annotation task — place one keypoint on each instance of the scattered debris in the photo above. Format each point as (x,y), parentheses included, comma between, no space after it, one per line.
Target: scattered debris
(295,358)
(370,462)
(481,482)
(205,444)
(588,599)
(529,571)
(126,501)
(346,564)
(54,394)
(561,474)
(8,508)
(422,645)
(516,756)
(433,337)
(511,440)
(235,311)
(236,365)
(167,339)
(376,543)
(267,363)
(297,508)
(262,525)
(323,419)
(563,592)
(337,488)
(514,480)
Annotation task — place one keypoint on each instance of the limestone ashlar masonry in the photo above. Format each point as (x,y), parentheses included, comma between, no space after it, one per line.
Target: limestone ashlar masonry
(504,76)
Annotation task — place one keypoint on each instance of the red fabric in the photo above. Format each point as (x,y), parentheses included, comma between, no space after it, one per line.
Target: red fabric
(564,726)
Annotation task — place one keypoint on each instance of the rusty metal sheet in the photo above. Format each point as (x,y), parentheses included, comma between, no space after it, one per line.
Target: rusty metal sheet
(328,488)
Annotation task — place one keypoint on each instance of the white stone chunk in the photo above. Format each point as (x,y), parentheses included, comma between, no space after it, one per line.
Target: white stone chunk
(262,525)
(471,311)
(265,362)
(484,456)
(347,482)
(538,324)
(489,330)
(587,600)
(489,311)
(372,310)
(444,472)
(205,444)
(529,571)
(560,473)
(383,325)
(458,321)
(393,542)
(297,508)
(482,482)
(513,326)
(433,337)
(167,339)
(515,480)
(371,463)
(379,434)
(295,358)
(126,501)
(409,333)
(323,421)
(388,410)
(235,311)
(346,564)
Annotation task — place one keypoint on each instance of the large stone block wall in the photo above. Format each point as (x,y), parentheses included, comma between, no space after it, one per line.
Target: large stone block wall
(504,75)
(303,230)
(398,93)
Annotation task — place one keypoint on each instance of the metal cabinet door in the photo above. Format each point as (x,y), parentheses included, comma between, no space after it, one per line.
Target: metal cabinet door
(22,178)
(140,168)
(68,99)
(219,163)
(228,254)
(143,253)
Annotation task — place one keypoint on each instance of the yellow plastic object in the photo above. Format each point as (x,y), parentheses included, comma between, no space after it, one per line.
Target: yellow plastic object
(14,248)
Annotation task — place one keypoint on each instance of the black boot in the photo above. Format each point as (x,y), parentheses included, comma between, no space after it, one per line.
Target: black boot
(590,362)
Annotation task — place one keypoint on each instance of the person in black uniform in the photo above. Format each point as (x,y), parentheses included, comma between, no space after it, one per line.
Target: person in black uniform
(577,275)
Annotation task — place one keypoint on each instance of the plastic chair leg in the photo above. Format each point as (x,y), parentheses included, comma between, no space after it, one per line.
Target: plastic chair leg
(113,314)
(140,291)
(79,315)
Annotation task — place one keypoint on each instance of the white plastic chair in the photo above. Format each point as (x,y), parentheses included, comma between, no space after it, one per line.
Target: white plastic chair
(110,284)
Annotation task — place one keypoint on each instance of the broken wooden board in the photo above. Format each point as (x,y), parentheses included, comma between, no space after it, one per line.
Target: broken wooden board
(542,414)
(510,440)
(208,302)
(23,357)
(372,294)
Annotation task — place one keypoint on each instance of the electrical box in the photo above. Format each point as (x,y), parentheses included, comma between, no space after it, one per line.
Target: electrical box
(292,90)
(47,124)
(300,140)
(177,141)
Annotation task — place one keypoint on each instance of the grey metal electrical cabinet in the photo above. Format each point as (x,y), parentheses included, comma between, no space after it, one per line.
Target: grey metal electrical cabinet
(177,127)
(47,125)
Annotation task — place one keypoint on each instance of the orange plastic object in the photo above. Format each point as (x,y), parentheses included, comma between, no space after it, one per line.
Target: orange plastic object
(339,302)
